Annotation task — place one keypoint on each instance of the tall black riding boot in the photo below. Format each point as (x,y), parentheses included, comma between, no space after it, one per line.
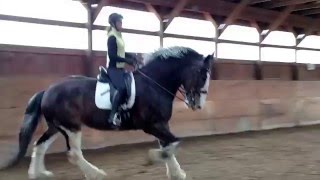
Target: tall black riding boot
(115,106)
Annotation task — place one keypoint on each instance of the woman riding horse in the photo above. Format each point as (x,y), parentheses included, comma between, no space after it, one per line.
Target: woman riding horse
(117,65)
(69,105)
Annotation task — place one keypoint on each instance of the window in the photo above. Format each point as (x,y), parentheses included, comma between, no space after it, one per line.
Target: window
(62,10)
(277,54)
(241,33)
(239,52)
(29,34)
(311,42)
(312,57)
(191,27)
(134,42)
(132,19)
(280,38)
(203,47)
(99,40)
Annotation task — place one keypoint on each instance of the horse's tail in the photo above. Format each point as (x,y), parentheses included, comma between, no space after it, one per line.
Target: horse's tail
(31,120)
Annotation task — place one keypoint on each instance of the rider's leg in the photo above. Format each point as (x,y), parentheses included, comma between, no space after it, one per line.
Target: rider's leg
(117,101)
(115,106)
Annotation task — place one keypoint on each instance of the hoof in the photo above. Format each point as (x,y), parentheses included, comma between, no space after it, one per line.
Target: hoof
(98,175)
(181,175)
(44,174)
(72,158)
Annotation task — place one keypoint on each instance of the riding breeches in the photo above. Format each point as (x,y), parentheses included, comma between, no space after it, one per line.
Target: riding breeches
(117,77)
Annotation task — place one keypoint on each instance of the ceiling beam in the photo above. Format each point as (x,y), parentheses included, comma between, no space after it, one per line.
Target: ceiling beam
(174,13)
(150,8)
(224,8)
(153,10)
(208,17)
(98,9)
(278,21)
(255,25)
(233,15)
(287,3)
(310,12)
(302,7)
(258,1)
(308,32)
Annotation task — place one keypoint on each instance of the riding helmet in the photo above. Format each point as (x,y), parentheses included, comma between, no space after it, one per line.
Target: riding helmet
(113,18)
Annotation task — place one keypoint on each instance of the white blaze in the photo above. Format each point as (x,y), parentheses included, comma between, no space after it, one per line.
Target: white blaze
(203,96)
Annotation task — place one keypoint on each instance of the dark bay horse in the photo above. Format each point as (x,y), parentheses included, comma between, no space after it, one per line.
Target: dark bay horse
(70,104)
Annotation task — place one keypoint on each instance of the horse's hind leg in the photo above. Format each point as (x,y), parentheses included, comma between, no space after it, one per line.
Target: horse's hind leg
(76,157)
(37,167)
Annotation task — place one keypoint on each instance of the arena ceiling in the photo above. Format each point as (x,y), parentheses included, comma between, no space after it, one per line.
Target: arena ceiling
(297,16)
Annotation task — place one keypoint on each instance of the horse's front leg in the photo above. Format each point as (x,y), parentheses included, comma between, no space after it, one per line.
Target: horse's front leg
(166,153)
(174,170)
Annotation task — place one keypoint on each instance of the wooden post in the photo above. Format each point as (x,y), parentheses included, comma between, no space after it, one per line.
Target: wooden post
(89,52)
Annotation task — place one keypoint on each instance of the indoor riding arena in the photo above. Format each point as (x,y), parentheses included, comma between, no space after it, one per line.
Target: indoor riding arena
(262,112)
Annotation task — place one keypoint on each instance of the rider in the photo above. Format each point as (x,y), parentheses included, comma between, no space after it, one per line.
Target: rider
(117,64)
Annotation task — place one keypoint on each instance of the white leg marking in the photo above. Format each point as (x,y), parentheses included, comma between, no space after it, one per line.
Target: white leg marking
(76,157)
(174,171)
(37,168)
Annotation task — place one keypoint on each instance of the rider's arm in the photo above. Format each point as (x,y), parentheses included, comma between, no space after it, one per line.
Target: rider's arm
(113,49)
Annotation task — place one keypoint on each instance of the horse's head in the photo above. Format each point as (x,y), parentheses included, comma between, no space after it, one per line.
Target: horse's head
(195,82)
(178,66)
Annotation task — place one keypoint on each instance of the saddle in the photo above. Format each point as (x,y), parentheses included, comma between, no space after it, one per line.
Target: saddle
(103,78)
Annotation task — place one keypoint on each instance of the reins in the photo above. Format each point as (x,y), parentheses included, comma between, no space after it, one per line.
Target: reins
(146,76)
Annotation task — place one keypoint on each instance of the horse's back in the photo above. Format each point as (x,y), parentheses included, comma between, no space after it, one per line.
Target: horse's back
(68,91)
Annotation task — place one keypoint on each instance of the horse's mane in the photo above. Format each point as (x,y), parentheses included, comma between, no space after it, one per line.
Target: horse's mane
(175,52)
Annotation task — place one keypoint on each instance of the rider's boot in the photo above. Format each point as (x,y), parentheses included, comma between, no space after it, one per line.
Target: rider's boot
(113,119)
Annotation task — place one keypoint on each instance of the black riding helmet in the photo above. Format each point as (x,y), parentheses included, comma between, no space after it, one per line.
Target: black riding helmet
(113,18)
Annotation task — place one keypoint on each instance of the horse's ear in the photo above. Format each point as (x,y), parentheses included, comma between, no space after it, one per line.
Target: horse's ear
(208,60)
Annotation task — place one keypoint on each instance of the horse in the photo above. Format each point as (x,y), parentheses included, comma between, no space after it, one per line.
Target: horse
(69,104)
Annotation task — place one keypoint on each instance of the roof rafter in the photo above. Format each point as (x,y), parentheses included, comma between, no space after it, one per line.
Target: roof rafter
(101,4)
(311,12)
(224,8)
(150,8)
(153,10)
(209,17)
(302,7)
(259,1)
(282,17)
(308,32)
(287,3)
(233,15)
(255,25)
(175,12)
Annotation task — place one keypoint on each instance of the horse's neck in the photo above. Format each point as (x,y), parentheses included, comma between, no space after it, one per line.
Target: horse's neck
(167,78)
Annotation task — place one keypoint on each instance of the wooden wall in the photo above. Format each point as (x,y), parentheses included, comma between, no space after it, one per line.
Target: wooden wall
(237,101)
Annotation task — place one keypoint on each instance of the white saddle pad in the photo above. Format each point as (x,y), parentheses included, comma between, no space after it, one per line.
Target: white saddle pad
(102,95)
